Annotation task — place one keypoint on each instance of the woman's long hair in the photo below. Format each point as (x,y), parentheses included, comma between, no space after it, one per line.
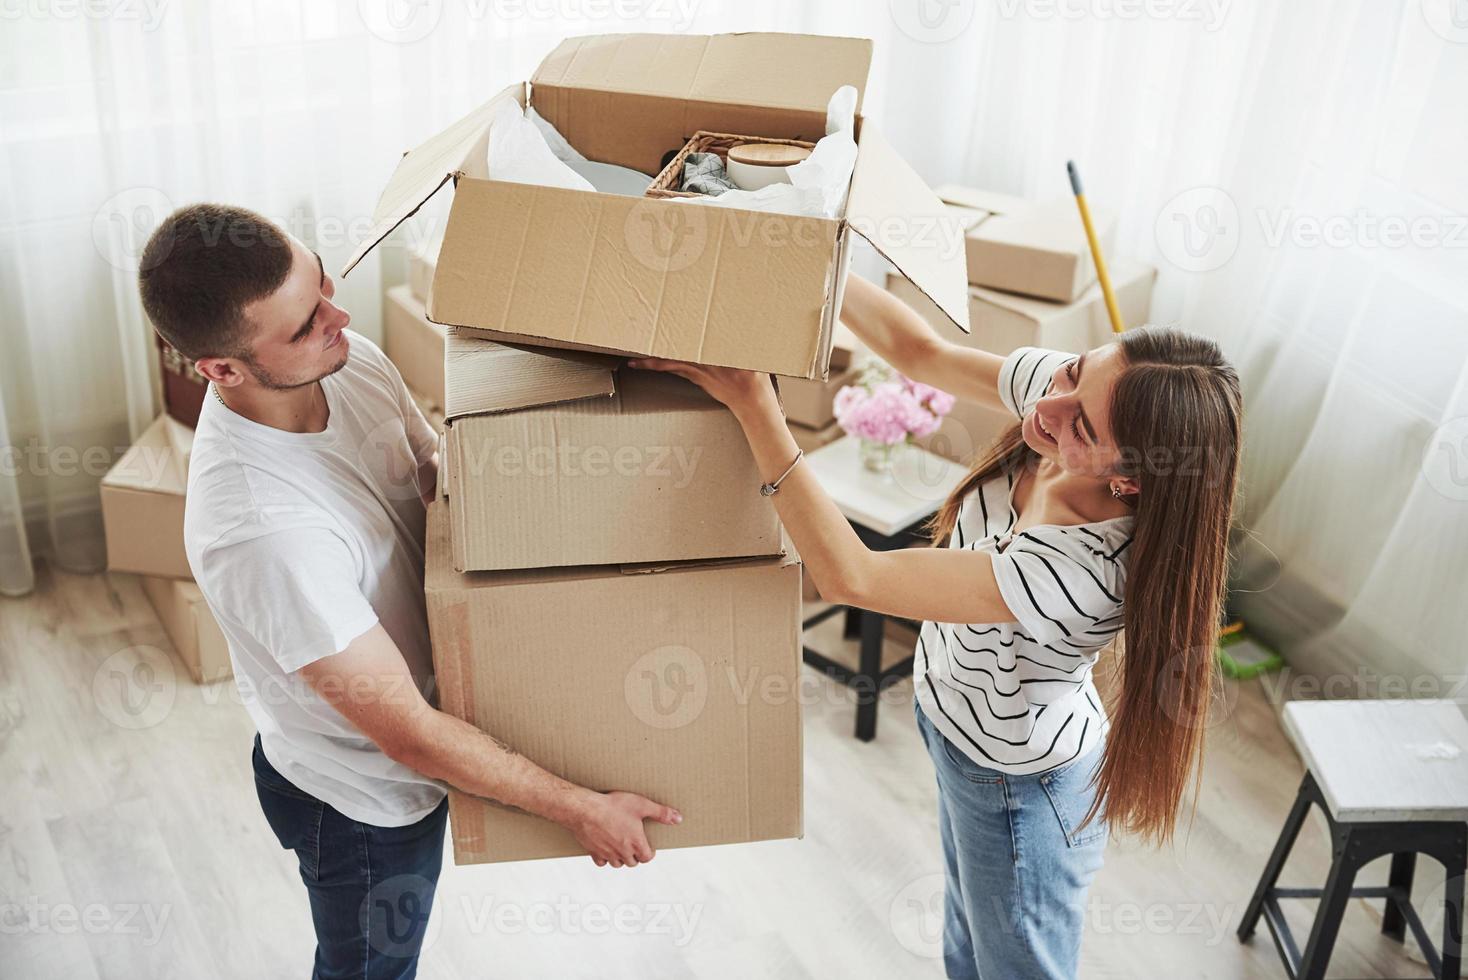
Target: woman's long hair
(1176,416)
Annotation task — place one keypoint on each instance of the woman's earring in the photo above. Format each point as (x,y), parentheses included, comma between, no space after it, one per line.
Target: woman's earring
(1116,492)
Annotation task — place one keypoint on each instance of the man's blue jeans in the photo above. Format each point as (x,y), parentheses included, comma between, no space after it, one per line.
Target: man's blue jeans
(1017,864)
(371,888)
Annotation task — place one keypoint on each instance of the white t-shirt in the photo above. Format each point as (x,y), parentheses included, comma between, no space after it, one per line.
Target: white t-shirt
(301,542)
(1018,697)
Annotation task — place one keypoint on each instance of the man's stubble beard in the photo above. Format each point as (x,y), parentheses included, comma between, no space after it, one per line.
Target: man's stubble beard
(269,381)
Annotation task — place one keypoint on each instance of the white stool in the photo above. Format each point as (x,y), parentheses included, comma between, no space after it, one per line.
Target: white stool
(1391,778)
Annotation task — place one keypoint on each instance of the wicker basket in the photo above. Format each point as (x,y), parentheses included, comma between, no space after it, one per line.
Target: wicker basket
(669,181)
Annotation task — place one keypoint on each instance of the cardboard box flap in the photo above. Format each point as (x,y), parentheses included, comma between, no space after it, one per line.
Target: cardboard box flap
(789,71)
(905,221)
(151,464)
(481,376)
(991,202)
(426,168)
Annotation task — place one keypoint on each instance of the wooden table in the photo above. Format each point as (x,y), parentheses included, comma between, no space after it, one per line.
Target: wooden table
(887,512)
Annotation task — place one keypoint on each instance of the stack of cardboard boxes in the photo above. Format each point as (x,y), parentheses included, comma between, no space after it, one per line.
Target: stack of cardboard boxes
(608,591)
(412,341)
(143,516)
(1032,282)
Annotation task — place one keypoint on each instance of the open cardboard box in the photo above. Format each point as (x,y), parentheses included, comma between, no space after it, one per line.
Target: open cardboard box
(644,276)
(678,681)
(143,506)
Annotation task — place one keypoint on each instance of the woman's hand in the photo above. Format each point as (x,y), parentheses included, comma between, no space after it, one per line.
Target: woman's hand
(742,391)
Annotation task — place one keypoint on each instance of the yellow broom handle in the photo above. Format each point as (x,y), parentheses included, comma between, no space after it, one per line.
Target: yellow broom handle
(1111,311)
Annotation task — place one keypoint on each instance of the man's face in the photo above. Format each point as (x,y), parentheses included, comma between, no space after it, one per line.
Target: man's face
(297,331)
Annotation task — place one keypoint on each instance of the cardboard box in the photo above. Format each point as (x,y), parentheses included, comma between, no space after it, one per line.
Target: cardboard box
(678,682)
(1002,322)
(180,437)
(143,507)
(422,261)
(414,343)
(643,276)
(812,439)
(657,471)
(484,376)
(1020,246)
(186,619)
(809,402)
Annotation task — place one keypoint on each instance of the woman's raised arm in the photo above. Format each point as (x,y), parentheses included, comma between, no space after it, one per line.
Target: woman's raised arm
(897,334)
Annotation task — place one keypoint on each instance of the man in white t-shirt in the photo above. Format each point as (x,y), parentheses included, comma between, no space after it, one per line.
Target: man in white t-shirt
(309,478)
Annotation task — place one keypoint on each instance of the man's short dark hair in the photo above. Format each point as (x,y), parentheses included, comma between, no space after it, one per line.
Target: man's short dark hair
(202,266)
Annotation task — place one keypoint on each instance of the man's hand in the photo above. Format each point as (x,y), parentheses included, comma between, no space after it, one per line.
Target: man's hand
(370,685)
(610,828)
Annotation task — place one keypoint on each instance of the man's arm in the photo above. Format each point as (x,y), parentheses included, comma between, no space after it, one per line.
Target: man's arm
(428,480)
(370,684)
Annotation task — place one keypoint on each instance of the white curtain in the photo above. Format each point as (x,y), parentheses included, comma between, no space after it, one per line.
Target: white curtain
(1295,170)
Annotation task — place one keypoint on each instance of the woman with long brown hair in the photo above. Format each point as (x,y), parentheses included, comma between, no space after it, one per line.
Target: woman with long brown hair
(1102,514)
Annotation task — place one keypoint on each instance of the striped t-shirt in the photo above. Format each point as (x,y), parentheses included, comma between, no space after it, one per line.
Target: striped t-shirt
(1018,697)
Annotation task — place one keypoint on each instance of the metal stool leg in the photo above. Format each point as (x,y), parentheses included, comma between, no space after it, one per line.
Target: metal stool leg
(1275,864)
(1393,924)
(1452,951)
(1332,908)
(867,678)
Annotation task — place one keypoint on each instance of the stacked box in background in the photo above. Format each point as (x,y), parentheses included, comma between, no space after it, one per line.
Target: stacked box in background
(1032,283)
(415,344)
(142,517)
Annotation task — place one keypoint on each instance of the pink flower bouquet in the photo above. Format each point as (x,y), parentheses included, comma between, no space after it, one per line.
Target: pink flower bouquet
(885,409)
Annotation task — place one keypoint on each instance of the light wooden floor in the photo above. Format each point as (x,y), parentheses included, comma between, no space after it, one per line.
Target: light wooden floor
(140,852)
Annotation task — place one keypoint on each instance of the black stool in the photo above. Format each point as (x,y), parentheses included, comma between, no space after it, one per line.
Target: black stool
(1391,777)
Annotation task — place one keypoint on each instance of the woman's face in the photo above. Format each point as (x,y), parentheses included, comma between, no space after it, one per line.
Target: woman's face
(1070,424)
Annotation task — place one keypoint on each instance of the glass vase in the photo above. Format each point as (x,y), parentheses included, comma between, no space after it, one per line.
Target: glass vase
(878,456)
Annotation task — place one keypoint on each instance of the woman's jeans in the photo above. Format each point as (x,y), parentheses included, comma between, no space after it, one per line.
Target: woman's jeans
(371,888)
(1017,864)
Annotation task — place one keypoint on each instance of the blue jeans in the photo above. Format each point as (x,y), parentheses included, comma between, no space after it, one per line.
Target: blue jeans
(1017,864)
(371,888)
